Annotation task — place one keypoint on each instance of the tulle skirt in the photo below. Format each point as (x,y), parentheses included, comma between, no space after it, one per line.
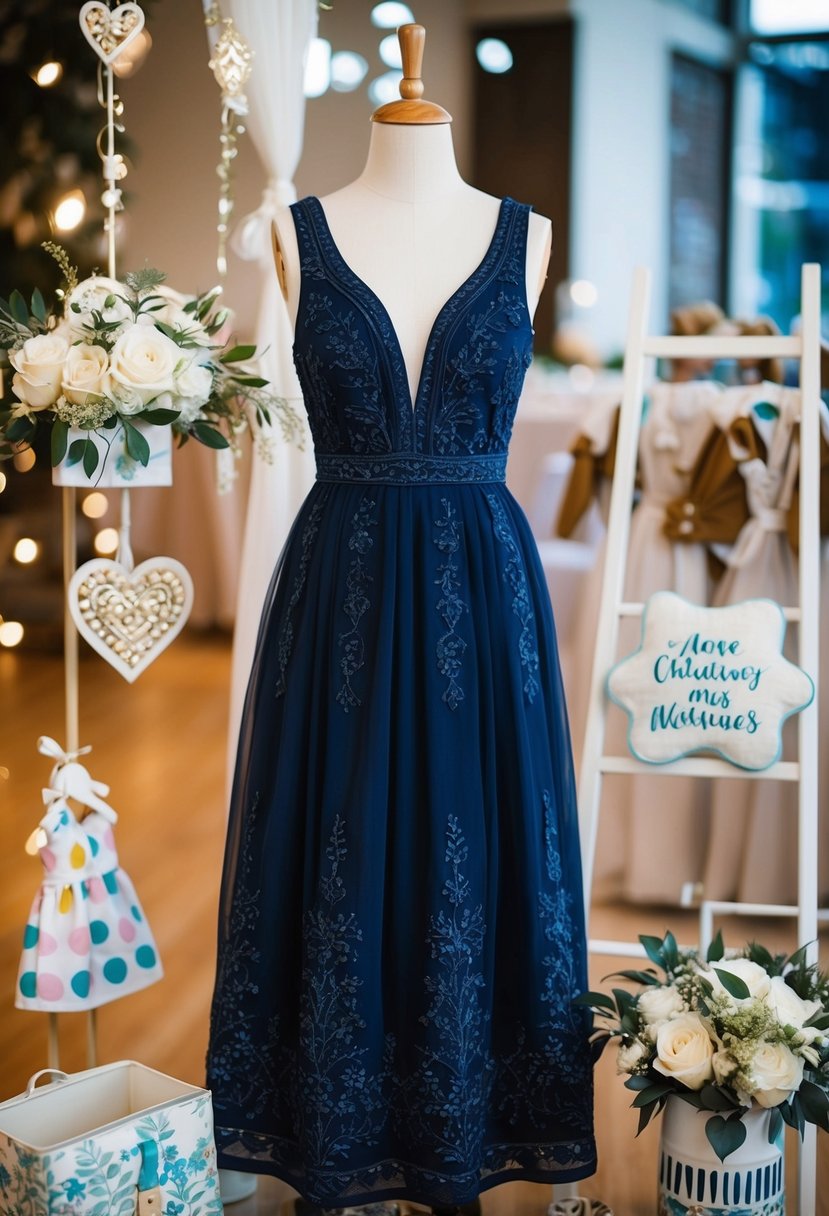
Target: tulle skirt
(401,928)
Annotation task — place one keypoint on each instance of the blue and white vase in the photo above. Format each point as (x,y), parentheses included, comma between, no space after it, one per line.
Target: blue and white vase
(694,1182)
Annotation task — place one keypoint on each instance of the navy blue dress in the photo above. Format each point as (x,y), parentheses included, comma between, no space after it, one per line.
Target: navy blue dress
(401,928)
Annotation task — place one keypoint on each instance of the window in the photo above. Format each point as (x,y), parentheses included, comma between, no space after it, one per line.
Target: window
(789,16)
(782,175)
(714,10)
(700,120)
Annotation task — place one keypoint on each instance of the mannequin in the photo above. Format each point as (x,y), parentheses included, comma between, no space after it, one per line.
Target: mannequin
(404,764)
(409,225)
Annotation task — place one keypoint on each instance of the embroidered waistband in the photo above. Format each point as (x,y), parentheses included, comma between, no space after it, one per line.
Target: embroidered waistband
(412,468)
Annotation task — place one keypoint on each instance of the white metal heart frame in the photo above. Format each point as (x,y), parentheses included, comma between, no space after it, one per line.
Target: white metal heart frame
(130,616)
(109,31)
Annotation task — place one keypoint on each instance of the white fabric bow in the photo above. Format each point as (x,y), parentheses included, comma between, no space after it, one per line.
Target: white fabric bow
(251,238)
(47,746)
(69,779)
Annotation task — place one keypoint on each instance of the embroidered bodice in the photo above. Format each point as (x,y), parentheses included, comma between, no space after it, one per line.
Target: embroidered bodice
(353,376)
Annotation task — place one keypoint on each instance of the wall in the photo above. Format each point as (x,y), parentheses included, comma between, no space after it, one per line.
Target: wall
(621,108)
(172,116)
(621,168)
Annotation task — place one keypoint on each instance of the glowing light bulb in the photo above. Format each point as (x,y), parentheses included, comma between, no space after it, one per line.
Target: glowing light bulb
(48,74)
(70,211)
(583,293)
(11,633)
(106,541)
(26,550)
(2,482)
(348,70)
(494,55)
(95,505)
(390,51)
(389,15)
(385,88)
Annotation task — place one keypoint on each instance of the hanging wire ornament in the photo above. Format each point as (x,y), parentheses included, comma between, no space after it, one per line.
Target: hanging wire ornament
(110,32)
(231,66)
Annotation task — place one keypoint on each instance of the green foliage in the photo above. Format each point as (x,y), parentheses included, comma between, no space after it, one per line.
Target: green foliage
(19,320)
(733,985)
(237,353)
(159,417)
(716,950)
(21,430)
(208,435)
(144,280)
(136,444)
(725,1135)
(60,435)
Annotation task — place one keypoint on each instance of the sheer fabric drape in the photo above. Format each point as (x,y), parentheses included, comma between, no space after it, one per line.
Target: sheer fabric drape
(278,32)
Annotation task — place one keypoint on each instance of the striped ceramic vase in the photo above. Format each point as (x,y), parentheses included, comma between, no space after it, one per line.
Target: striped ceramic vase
(694,1182)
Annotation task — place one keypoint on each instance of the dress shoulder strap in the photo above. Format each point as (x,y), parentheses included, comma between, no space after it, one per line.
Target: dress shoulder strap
(311,262)
(512,265)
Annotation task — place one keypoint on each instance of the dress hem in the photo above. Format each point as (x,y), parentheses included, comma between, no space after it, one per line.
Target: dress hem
(551,1177)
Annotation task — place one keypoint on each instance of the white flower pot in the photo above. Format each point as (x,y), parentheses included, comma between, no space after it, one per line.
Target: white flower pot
(693,1180)
(116,469)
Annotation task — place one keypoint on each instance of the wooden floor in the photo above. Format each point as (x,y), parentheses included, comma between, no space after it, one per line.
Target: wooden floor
(161,746)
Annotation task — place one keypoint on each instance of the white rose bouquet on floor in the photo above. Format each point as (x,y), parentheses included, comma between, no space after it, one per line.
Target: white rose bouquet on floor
(722,1033)
(123,353)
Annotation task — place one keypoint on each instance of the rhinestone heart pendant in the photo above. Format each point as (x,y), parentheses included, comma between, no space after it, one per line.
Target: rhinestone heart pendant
(107,30)
(129,617)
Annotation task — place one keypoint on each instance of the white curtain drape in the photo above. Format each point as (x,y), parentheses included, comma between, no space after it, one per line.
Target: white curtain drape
(278,32)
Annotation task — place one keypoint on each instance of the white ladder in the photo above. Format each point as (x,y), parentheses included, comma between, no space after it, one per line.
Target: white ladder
(595,763)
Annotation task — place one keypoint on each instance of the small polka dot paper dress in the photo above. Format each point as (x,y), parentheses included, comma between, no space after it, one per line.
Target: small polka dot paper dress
(86,941)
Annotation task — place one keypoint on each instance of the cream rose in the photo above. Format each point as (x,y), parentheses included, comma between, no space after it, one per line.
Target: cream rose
(684,1051)
(659,1004)
(629,1057)
(193,386)
(127,400)
(752,974)
(90,296)
(85,373)
(144,361)
(790,1009)
(774,1073)
(38,365)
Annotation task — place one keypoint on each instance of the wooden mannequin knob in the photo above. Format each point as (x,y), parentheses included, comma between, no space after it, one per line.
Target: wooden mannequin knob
(411,109)
(412,39)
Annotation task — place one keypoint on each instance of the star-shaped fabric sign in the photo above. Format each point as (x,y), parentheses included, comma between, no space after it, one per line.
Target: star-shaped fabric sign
(709,679)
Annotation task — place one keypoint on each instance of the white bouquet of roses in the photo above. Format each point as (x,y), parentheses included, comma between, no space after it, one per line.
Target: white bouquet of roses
(122,354)
(722,1033)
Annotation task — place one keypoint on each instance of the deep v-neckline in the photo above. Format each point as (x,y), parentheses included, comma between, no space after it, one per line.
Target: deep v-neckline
(495,247)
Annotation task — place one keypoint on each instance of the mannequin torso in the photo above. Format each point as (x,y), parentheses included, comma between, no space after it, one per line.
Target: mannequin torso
(413,231)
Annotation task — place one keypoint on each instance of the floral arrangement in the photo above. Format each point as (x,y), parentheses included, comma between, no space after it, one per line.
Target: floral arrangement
(722,1033)
(122,354)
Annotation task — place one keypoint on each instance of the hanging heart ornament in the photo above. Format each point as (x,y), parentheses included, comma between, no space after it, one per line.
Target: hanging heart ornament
(129,617)
(108,30)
